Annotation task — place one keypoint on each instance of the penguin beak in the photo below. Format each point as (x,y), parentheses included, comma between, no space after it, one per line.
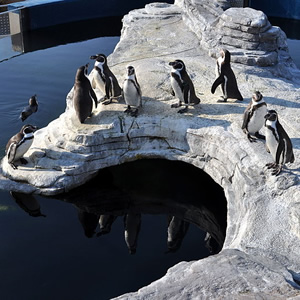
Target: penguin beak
(267,116)
(93,57)
(172,63)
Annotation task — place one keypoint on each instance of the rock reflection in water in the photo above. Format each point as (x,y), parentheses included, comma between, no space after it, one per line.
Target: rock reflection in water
(150,190)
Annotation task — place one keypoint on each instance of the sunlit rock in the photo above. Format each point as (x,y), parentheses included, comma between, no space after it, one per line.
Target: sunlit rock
(260,253)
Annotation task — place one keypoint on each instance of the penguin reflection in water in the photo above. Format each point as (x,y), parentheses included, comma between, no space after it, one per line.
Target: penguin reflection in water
(132,224)
(254,117)
(83,95)
(19,144)
(104,79)
(182,86)
(278,143)
(30,109)
(226,78)
(132,93)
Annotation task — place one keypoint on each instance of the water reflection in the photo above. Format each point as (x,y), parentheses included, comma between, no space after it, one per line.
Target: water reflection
(111,195)
(28,203)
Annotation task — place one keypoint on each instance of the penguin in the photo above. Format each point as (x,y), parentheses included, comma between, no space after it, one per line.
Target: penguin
(177,229)
(132,93)
(105,223)
(278,143)
(254,117)
(83,95)
(104,79)
(226,78)
(132,224)
(182,86)
(28,203)
(19,144)
(30,109)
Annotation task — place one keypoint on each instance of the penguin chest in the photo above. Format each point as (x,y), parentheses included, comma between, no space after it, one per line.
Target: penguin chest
(100,82)
(131,94)
(177,89)
(271,142)
(23,148)
(256,122)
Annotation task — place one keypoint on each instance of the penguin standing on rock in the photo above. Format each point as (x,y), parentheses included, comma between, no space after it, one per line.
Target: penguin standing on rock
(132,93)
(254,117)
(30,109)
(278,143)
(182,86)
(83,95)
(226,78)
(104,79)
(19,144)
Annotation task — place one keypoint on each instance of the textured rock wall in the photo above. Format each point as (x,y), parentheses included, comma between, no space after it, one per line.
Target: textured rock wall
(260,254)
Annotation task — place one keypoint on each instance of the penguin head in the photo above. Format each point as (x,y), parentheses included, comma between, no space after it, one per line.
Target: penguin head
(257,96)
(226,56)
(177,64)
(130,70)
(33,101)
(100,58)
(27,129)
(271,115)
(81,73)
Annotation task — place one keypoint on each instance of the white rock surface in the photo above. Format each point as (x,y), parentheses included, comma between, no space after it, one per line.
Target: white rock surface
(260,255)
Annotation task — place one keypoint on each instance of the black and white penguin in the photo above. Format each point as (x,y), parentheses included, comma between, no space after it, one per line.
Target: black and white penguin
(278,143)
(182,86)
(30,109)
(104,79)
(254,117)
(105,223)
(83,95)
(132,224)
(177,229)
(132,93)
(226,78)
(19,144)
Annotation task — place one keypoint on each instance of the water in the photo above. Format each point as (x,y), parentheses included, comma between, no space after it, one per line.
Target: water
(51,257)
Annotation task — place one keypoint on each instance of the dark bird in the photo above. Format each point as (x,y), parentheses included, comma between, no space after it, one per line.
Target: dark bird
(19,144)
(83,95)
(278,143)
(226,78)
(182,86)
(104,79)
(254,117)
(30,109)
(132,93)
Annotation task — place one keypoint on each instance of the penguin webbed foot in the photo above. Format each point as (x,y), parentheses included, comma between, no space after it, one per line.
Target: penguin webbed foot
(106,102)
(271,165)
(134,112)
(277,169)
(250,138)
(222,100)
(183,110)
(102,99)
(176,105)
(260,136)
(23,161)
(127,110)
(13,166)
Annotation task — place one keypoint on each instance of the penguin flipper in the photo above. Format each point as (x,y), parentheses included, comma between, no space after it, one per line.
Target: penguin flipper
(11,152)
(217,82)
(246,119)
(93,95)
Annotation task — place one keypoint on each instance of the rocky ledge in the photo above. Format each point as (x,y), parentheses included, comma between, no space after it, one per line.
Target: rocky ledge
(259,259)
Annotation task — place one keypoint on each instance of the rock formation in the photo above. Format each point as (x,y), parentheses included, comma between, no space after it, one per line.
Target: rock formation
(260,254)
